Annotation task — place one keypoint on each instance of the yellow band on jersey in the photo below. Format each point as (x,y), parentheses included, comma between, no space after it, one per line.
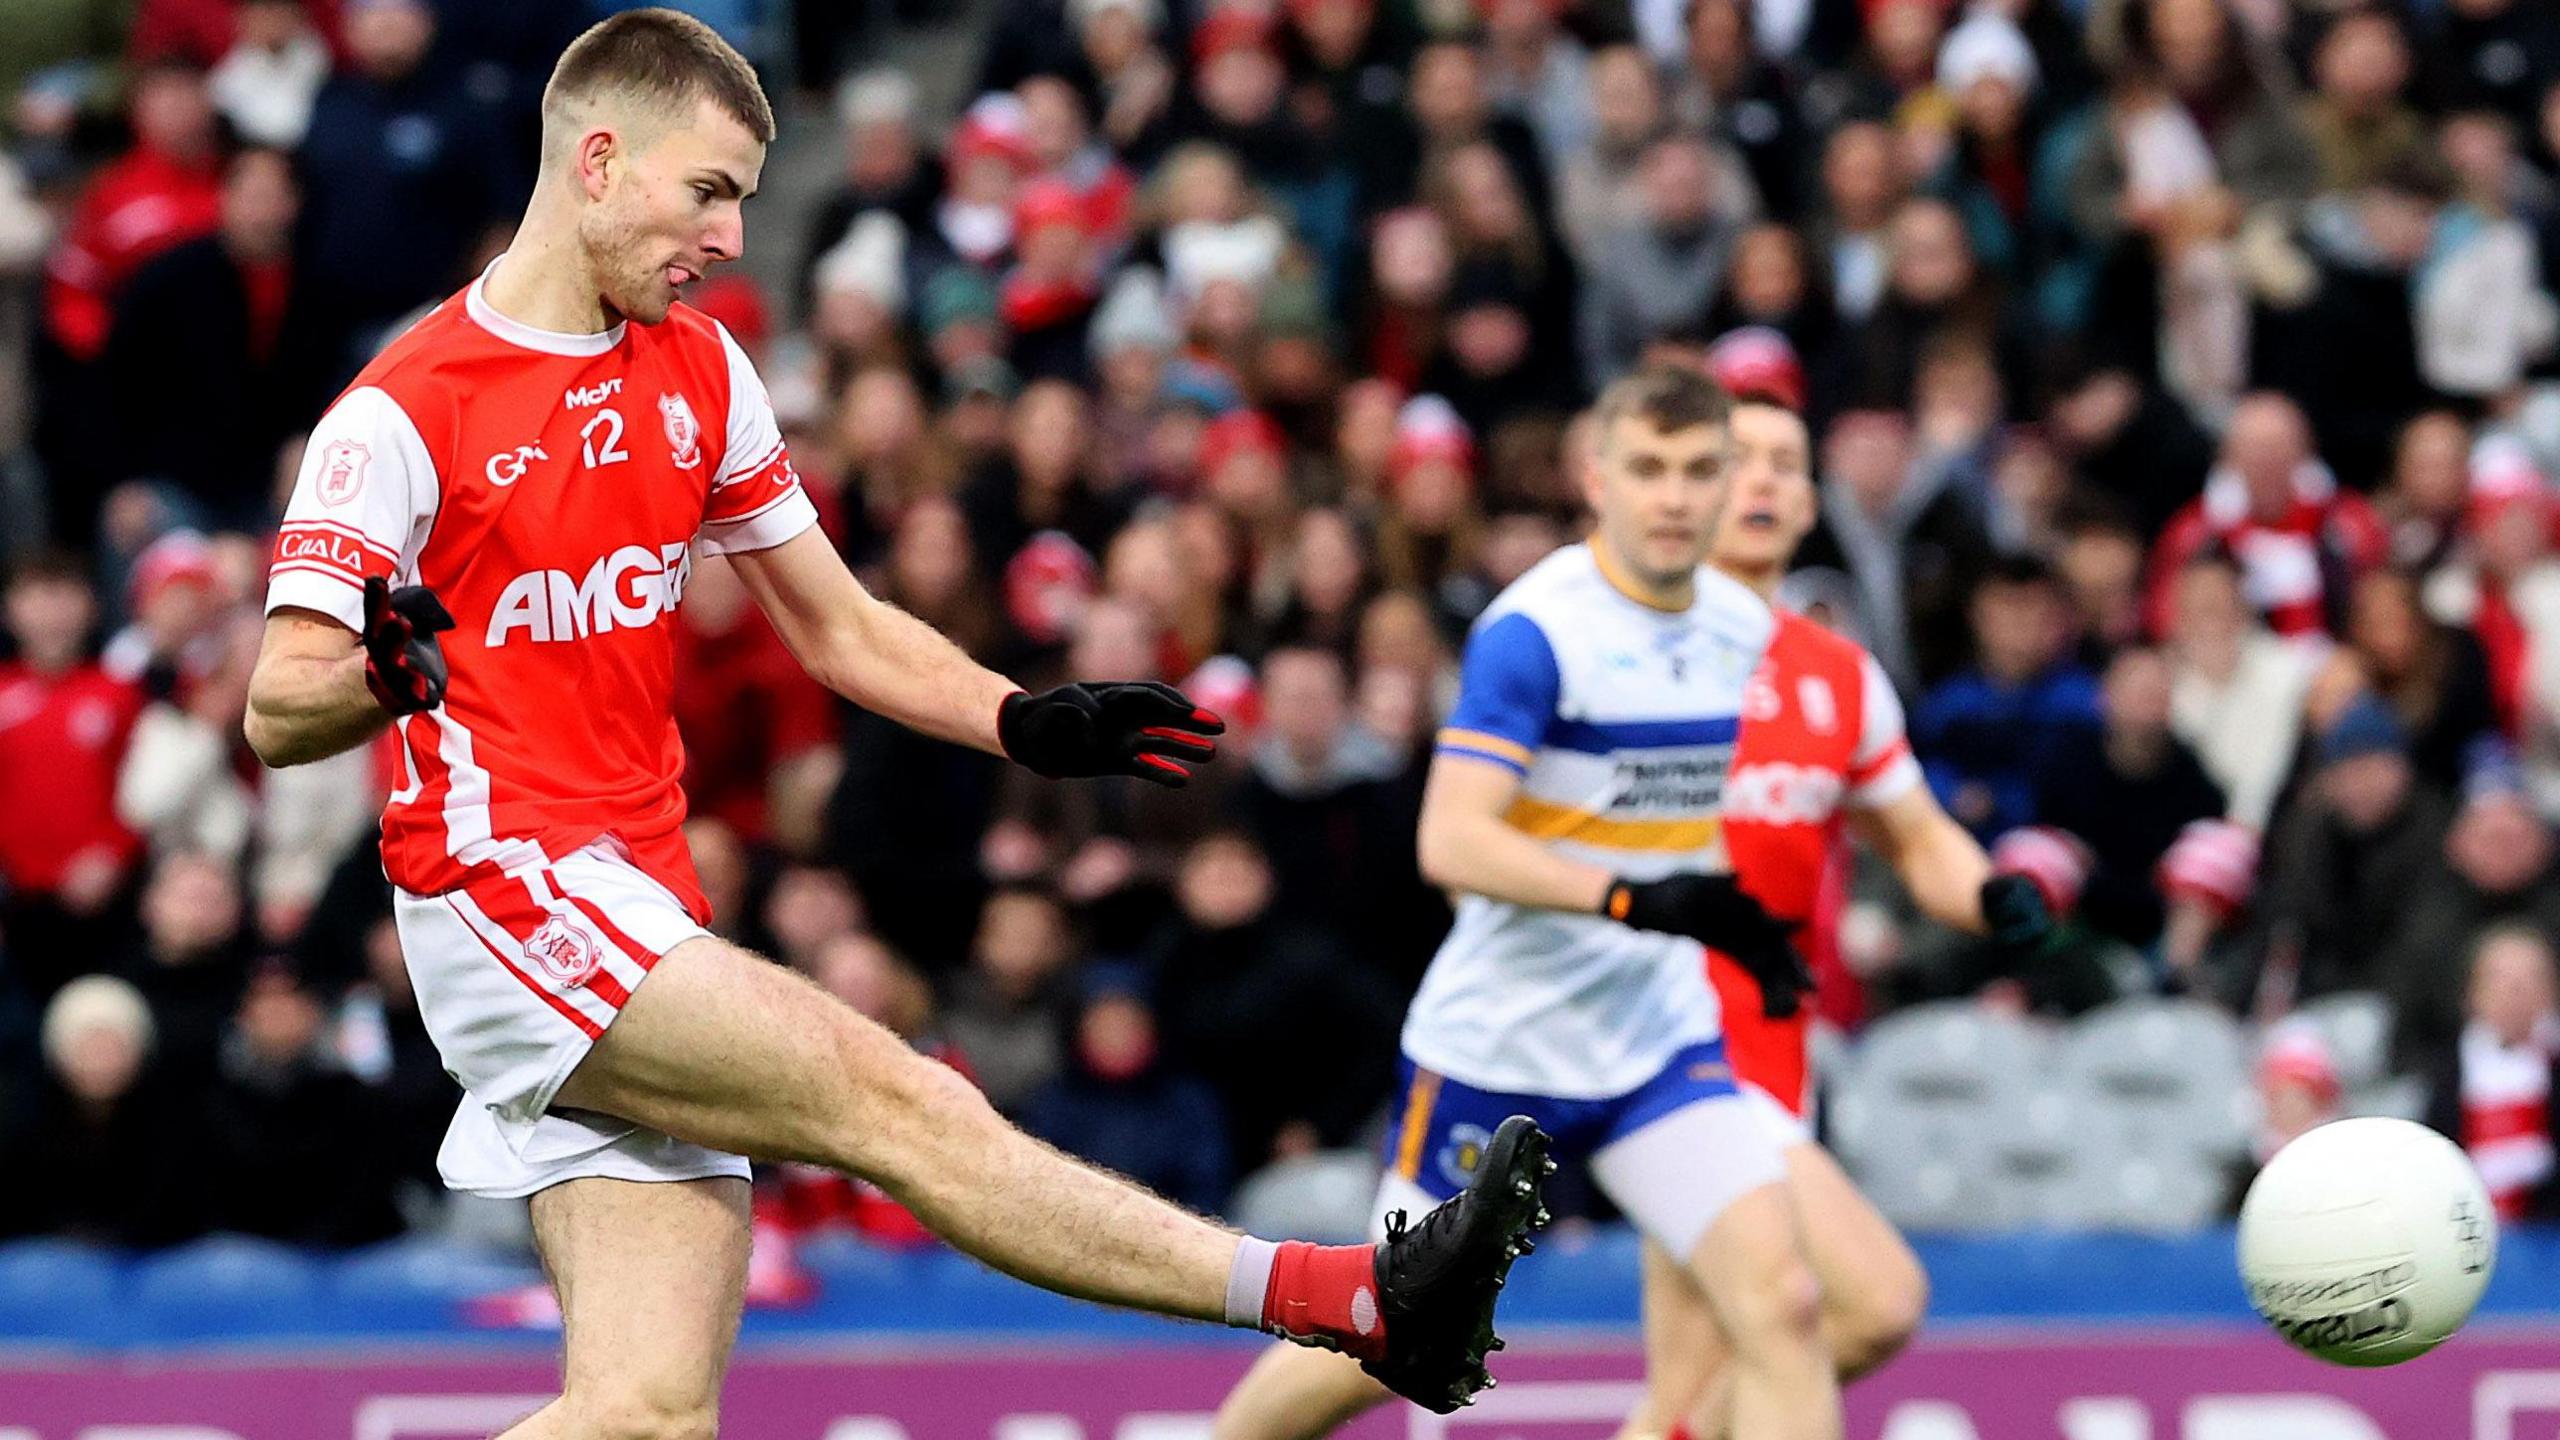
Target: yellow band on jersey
(1489,743)
(1546,820)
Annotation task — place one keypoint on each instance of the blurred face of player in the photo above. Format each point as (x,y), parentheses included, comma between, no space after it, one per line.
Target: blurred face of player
(1658,495)
(1771,507)
(664,204)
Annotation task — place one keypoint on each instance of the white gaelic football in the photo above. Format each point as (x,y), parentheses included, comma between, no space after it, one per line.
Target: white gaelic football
(2368,1241)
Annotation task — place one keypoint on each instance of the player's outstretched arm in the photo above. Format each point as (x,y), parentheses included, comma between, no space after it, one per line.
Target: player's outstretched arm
(1939,862)
(307,696)
(1466,845)
(868,650)
(887,661)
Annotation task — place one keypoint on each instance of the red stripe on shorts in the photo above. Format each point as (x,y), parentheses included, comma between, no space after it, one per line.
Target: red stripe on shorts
(516,914)
(641,955)
(571,1012)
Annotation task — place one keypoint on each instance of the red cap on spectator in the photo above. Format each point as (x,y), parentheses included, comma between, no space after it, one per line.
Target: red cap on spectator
(1757,363)
(2215,861)
(1428,429)
(995,125)
(1049,202)
(2503,473)
(1046,585)
(1232,28)
(1224,685)
(1239,432)
(2297,1052)
(738,303)
(2055,860)
(179,557)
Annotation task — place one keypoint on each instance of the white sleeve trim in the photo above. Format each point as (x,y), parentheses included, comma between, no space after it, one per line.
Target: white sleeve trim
(780,519)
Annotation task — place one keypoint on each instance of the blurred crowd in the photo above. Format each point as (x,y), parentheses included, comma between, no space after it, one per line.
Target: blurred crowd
(2187,404)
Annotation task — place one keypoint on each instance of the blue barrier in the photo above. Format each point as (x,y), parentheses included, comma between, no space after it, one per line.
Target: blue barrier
(232,1291)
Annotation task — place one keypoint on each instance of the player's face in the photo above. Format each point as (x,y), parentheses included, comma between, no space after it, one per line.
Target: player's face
(1771,508)
(672,211)
(1658,495)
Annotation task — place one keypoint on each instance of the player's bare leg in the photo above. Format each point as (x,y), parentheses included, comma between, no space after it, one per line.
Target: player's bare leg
(731,1051)
(1763,1295)
(1294,1393)
(650,1278)
(1874,1294)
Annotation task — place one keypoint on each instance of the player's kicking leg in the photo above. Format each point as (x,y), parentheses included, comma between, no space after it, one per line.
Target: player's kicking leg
(725,1050)
(1874,1294)
(649,1278)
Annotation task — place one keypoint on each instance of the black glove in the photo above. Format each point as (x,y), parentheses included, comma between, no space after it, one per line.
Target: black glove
(1134,727)
(2015,913)
(1714,911)
(403,666)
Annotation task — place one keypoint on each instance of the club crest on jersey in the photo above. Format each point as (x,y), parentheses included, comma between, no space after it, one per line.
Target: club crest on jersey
(563,951)
(1464,1152)
(342,471)
(684,433)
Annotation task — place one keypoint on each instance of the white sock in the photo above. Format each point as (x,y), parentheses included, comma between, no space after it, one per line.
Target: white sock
(1249,1282)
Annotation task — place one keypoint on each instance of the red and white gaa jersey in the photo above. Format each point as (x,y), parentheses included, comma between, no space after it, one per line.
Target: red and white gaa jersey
(551,489)
(1821,730)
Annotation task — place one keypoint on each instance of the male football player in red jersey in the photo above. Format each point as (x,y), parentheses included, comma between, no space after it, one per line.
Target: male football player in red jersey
(1821,745)
(490,530)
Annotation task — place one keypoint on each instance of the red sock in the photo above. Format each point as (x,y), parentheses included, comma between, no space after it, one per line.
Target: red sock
(1679,1431)
(1327,1291)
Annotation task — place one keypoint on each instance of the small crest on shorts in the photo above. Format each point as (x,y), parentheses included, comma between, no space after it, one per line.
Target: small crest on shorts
(564,952)
(1464,1152)
(342,471)
(684,433)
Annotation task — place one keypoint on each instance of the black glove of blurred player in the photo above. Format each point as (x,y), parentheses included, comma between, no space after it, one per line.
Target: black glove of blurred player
(1136,727)
(1714,911)
(2015,914)
(403,666)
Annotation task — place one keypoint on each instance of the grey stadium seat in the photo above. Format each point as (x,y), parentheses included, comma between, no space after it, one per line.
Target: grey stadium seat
(2161,1078)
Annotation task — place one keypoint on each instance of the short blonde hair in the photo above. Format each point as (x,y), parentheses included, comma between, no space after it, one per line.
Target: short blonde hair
(1669,398)
(663,58)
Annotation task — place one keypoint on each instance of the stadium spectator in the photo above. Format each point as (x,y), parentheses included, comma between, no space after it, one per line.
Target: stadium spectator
(283,1111)
(2433,675)
(2126,789)
(404,171)
(1862,186)
(757,730)
(122,1150)
(2357,115)
(1008,1008)
(2236,690)
(1659,273)
(1117,1103)
(212,360)
(379,1037)
(2499,866)
(2504,53)
(265,77)
(1908,547)
(2299,1089)
(1985,733)
(884,167)
(2300,540)
(189,958)
(64,856)
(2493,1093)
(2342,864)
(166,189)
(1295,1036)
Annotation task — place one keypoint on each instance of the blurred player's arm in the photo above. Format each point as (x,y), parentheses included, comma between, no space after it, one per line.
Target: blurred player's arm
(1940,863)
(868,650)
(307,696)
(1465,843)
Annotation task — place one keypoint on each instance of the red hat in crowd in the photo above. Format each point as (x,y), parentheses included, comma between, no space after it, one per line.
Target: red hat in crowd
(180,557)
(2215,861)
(2055,860)
(1232,28)
(995,126)
(2503,473)
(1046,585)
(2296,1052)
(738,303)
(1757,363)
(1427,430)
(1236,433)
(1225,686)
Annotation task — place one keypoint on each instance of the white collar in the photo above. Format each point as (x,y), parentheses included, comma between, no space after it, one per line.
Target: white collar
(475,303)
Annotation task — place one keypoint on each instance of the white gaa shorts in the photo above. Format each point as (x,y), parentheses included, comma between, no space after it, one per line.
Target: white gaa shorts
(517,974)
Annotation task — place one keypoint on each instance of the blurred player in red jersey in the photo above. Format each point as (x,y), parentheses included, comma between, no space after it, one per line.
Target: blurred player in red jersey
(490,532)
(1821,746)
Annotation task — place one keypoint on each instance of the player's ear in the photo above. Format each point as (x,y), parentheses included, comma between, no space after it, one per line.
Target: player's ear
(599,150)
(1587,471)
